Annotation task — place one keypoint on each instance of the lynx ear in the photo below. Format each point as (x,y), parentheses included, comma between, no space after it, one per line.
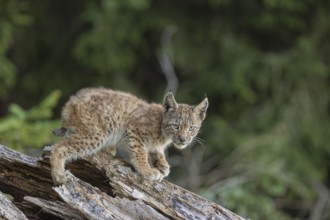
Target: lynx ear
(201,108)
(170,104)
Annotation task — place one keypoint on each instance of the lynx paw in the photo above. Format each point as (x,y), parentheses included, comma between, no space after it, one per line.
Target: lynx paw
(165,170)
(153,174)
(62,178)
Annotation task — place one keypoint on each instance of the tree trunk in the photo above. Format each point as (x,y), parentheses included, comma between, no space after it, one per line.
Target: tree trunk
(105,188)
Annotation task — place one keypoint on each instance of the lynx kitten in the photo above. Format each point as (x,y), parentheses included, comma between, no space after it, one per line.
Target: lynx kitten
(98,118)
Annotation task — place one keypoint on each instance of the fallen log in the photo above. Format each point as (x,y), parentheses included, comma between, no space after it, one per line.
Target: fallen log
(106,187)
(8,210)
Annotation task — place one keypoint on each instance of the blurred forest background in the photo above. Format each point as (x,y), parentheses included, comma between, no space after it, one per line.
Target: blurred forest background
(264,65)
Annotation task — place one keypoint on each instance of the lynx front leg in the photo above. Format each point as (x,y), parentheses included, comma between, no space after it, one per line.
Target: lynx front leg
(139,159)
(158,161)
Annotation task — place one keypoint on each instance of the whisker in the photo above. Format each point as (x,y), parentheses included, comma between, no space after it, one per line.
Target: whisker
(197,141)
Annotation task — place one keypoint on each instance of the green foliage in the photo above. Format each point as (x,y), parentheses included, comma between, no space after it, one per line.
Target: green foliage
(264,66)
(11,16)
(262,163)
(112,22)
(32,128)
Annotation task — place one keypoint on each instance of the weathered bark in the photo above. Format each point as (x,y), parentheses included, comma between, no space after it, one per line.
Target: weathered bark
(8,210)
(107,188)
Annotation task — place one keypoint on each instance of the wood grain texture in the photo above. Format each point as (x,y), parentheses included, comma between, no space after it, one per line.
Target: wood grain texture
(59,209)
(106,187)
(8,210)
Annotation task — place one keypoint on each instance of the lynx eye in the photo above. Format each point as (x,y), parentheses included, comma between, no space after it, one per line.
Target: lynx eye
(176,126)
(192,128)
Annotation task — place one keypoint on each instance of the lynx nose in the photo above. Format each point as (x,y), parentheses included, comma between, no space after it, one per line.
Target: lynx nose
(182,138)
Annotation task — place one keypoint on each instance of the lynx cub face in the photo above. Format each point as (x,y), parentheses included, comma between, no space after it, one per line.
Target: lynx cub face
(182,122)
(96,119)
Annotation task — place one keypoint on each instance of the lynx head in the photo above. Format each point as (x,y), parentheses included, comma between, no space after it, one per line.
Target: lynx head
(181,121)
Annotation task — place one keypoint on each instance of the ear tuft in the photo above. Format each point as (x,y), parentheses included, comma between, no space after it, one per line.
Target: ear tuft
(201,108)
(170,104)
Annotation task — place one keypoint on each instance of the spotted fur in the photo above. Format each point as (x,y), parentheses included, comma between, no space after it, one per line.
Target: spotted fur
(97,119)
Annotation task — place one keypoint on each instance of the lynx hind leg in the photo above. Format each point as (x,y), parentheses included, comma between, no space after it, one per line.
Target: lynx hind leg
(59,156)
(72,148)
